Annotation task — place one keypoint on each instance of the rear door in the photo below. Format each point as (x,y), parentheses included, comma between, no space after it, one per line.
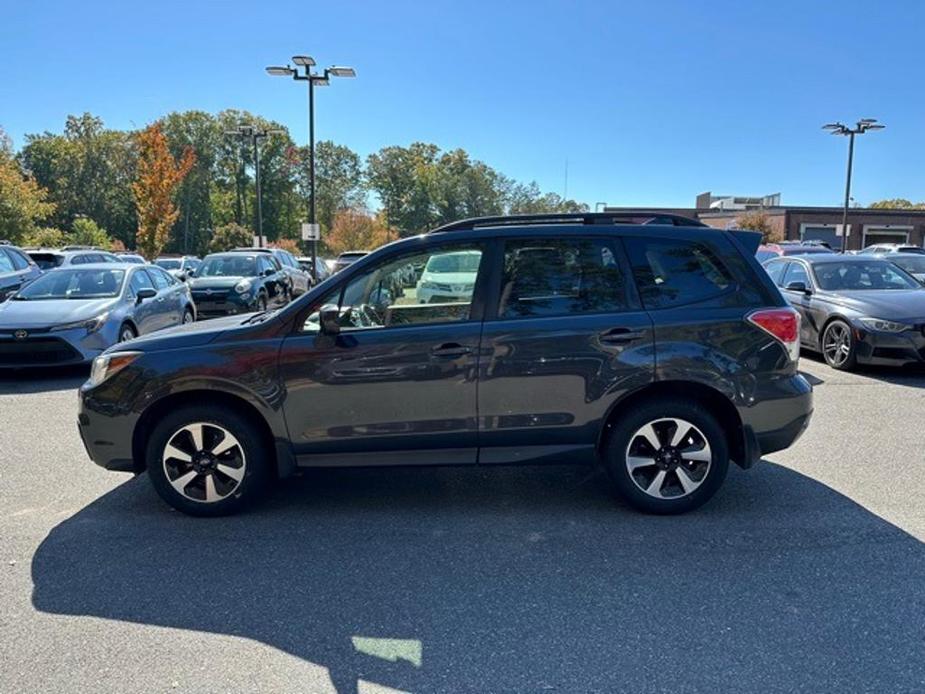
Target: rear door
(564,337)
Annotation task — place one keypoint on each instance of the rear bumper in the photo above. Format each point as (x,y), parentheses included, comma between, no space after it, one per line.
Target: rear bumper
(777,419)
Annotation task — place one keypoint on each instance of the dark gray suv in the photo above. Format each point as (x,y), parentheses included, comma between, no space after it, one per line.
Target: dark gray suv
(657,348)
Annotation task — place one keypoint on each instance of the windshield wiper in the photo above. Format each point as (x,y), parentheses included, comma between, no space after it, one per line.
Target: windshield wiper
(260,317)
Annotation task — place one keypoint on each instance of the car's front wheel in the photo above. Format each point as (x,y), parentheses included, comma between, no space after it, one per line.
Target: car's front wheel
(207,461)
(839,348)
(667,456)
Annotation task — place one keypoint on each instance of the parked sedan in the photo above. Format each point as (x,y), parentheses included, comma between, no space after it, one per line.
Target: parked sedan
(766,252)
(179,267)
(913,263)
(298,279)
(348,258)
(16,270)
(70,315)
(855,309)
(238,282)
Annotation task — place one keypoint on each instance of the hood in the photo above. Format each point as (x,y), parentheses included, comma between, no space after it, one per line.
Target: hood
(189,335)
(215,282)
(45,314)
(450,277)
(889,304)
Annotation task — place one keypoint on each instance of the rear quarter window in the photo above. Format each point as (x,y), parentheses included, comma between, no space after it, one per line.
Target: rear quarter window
(675,272)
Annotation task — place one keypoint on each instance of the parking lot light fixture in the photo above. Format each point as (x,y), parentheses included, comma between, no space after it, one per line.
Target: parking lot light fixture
(279,71)
(314,79)
(837,128)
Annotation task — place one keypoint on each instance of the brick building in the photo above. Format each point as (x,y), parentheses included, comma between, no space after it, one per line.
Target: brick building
(793,222)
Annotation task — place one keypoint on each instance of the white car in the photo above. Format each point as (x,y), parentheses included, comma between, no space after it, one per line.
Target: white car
(448,277)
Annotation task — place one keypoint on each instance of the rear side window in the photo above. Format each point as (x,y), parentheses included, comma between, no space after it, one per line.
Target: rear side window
(675,272)
(551,277)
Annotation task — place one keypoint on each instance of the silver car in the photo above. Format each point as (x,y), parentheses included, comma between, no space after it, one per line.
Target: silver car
(71,314)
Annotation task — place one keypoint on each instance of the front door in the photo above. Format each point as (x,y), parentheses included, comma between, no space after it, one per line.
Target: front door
(796,272)
(397,384)
(565,339)
(145,313)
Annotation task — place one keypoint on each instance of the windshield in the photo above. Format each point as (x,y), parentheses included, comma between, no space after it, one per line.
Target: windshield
(228,266)
(168,263)
(454,262)
(910,263)
(875,274)
(74,284)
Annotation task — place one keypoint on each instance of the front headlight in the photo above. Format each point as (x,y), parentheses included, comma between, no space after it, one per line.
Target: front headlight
(243,286)
(884,326)
(427,284)
(107,365)
(91,326)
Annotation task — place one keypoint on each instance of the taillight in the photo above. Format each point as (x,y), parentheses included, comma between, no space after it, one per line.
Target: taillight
(781,323)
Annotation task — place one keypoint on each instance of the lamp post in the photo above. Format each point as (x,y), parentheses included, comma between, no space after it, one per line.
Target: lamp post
(860,128)
(314,79)
(255,135)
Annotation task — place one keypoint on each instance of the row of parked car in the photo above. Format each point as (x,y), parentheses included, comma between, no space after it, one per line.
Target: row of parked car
(66,306)
(866,307)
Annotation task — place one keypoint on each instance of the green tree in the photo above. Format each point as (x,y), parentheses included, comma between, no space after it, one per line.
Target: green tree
(46,237)
(88,233)
(230,236)
(897,204)
(23,203)
(339,180)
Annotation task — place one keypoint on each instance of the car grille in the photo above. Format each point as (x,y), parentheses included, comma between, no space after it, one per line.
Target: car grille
(36,351)
(212,295)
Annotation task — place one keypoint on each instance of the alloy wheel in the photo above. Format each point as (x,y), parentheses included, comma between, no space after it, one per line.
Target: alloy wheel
(836,345)
(668,458)
(204,462)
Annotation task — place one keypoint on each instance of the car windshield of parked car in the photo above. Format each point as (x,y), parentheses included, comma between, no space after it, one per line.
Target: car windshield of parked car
(74,284)
(168,263)
(228,266)
(454,262)
(912,263)
(876,274)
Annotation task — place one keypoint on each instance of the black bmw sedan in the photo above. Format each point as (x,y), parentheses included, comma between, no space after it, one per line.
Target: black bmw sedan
(855,309)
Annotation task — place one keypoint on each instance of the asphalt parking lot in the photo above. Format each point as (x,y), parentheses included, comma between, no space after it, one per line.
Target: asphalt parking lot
(804,574)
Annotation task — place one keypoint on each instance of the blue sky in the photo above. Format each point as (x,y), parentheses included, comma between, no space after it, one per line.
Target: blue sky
(649,102)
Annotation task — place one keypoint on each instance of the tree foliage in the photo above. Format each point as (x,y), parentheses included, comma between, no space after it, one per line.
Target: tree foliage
(23,203)
(357,230)
(230,236)
(759,220)
(159,175)
(88,233)
(897,204)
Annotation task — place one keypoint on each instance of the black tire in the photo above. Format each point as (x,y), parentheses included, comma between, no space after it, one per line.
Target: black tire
(236,495)
(835,331)
(127,332)
(626,432)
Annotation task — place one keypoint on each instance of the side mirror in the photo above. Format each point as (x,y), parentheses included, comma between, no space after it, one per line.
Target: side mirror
(799,287)
(328,318)
(269,271)
(143,294)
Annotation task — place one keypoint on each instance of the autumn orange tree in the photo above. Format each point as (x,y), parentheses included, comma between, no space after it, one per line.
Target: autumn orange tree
(158,176)
(355,230)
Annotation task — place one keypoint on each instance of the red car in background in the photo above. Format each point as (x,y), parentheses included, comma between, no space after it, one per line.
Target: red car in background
(768,251)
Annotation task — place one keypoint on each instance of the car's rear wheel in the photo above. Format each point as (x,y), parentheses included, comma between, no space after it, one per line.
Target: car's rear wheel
(126,333)
(667,456)
(207,461)
(839,348)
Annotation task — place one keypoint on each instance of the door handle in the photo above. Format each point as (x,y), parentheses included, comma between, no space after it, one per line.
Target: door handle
(450,349)
(621,336)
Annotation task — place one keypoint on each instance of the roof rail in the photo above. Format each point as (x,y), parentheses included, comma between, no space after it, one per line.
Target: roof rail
(623,217)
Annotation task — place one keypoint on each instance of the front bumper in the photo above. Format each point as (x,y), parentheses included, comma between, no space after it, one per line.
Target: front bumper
(52,348)
(106,435)
(212,306)
(889,349)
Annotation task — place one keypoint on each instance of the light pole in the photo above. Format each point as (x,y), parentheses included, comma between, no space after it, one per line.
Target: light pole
(862,127)
(314,79)
(255,135)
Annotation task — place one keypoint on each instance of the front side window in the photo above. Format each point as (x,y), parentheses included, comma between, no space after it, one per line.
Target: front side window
(140,280)
(551,277)
(675,272)
(796,273)
(434,286)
